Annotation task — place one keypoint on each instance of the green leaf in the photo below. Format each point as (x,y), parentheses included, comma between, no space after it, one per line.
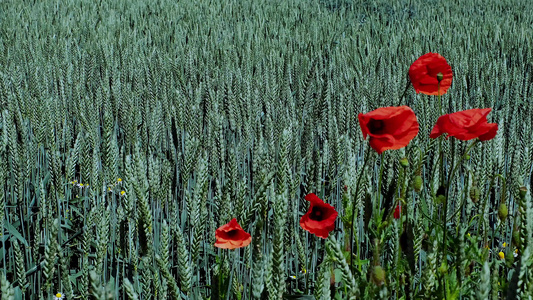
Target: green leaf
(361,262)
(13,231)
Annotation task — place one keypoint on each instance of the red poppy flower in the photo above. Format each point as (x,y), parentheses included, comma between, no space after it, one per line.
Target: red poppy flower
(231,236)
(466,125)
(423,74)
(320,218)
(389,128)
(397,212)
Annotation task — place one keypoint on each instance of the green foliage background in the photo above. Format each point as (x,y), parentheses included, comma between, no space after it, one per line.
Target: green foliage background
(209,110)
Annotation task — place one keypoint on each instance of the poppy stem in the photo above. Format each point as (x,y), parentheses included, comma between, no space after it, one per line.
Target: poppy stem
(453,173)
(366,158)
(438,96)
(485,200)
(379,181)
(235,259)
(404,92)
(440,140)
(445,208)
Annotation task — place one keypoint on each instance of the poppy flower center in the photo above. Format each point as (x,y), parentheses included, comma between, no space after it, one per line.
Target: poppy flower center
(441,191)
(376,126)
(316,214)
(232,233)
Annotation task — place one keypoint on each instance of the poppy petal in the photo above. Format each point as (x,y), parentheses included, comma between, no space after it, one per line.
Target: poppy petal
(313,198)
(424,71)
(320,217)
(232,236)
(491,133)
(389,128)
(466,125)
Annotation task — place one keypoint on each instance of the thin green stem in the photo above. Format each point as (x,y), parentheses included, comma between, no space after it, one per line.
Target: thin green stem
(378,203)
(440,140)
(453,173)
(404,92)
(366,158)
(438,96)
(358,256)
(445,208)
(482,217)
(405,182)
(235,261)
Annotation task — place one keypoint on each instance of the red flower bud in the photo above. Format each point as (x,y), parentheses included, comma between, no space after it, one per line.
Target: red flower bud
(397,212)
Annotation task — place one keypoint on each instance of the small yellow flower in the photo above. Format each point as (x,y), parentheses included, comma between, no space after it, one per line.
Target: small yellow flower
(292,276)
(81,185)
(119,180)
(468,234)
(304,271)
(59,296)
(504,244)
(109,189)
(501,255)
(515,254)
(122,193)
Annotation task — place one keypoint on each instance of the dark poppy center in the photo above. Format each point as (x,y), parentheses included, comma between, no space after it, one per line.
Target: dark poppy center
(232,233)
(376,126)
(441,191)
(316,214)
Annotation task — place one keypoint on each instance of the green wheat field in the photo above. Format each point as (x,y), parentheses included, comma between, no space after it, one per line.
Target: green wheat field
(131,130)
